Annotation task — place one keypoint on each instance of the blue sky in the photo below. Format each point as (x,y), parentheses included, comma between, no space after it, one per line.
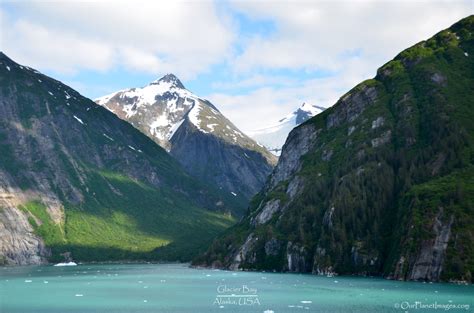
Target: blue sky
(255,60)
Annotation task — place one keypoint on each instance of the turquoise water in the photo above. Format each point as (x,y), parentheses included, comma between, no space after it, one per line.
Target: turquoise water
(178,288)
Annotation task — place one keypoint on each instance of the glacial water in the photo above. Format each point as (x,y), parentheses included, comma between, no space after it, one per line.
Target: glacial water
(170,288)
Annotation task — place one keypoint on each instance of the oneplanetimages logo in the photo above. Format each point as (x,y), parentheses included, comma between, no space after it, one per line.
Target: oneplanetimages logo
(419,305)
(236,295)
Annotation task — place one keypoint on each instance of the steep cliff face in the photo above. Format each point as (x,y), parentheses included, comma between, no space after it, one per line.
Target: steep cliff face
(75,178)
(196,133)
(235,169)
(382,183)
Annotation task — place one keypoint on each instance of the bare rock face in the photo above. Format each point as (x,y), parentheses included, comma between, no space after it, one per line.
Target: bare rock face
(242,254)
(352,105)
(272,247)
(299,142)
(268,211)
(429,262)
(18,244)
(297,258)
(236,169)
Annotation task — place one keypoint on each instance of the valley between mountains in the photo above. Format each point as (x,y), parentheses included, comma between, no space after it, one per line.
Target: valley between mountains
(381,183)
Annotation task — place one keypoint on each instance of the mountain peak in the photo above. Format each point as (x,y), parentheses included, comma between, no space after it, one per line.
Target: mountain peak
(171,79)
(305,106)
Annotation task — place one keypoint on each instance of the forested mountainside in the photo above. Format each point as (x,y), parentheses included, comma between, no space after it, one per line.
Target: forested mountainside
(382,183)
(75,178)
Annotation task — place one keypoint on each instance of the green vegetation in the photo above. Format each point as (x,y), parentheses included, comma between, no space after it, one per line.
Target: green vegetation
(122,218)
(391,156)
(135,221)
(51,232)
(124,197)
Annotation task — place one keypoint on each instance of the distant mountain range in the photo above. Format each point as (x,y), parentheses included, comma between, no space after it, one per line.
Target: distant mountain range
(77,181)
(273,137)
(193,130)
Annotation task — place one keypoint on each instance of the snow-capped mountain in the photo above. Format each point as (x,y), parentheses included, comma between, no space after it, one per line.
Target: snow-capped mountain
(273,137)
(194,131)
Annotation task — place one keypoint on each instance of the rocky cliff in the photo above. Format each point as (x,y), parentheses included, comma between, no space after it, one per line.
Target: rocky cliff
(382,183)
(75,178)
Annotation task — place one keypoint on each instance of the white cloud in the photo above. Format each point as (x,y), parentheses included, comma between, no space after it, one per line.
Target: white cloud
(313,35)
(350,39)
(144,36)
(266,105)
(41,47)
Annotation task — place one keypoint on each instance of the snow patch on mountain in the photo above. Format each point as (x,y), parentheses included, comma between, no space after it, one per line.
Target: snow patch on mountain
(160,108)
(274,137)
(168,92)
(193,116)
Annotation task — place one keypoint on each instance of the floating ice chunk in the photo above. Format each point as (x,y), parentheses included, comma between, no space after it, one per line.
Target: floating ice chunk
(109,138)
(79,120)
(67,263)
